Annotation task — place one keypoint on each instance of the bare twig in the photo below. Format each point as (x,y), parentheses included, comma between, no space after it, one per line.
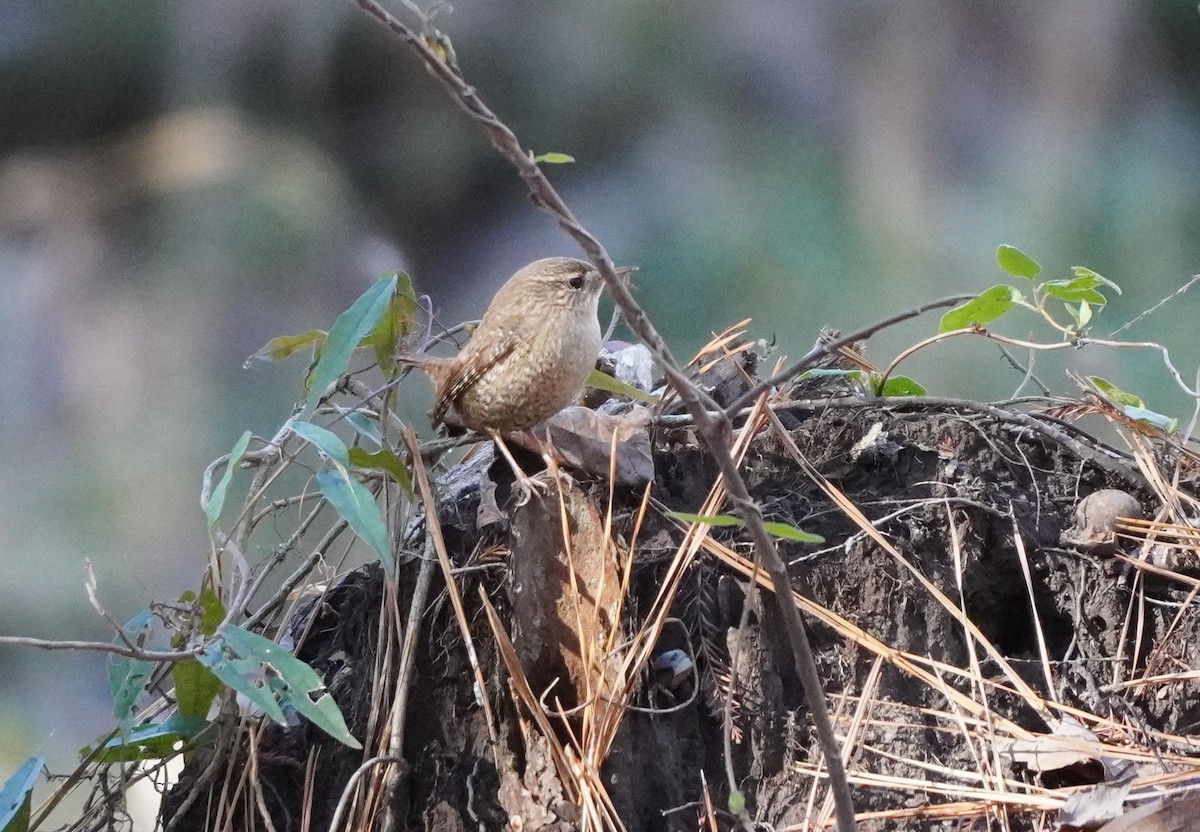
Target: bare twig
(1156,306)
(352,783)
(101,647)
(408,653)
(813,355)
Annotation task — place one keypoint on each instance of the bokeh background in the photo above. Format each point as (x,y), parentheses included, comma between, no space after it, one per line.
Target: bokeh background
(180,182)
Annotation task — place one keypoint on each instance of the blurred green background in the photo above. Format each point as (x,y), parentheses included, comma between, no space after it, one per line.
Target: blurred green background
(180,182)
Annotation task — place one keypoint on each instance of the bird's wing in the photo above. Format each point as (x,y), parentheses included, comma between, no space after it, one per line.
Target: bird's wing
(465,375)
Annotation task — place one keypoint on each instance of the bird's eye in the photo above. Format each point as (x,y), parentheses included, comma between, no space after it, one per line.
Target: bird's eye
(576,282)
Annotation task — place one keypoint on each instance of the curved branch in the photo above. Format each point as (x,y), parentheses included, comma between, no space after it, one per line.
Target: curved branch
(101,647)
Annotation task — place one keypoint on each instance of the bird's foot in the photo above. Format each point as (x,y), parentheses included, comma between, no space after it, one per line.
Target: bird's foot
(525,486)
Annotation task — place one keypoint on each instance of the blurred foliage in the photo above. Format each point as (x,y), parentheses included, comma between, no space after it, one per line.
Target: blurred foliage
(184,181)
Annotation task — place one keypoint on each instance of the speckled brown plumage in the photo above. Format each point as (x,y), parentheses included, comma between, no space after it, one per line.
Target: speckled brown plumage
(531,354)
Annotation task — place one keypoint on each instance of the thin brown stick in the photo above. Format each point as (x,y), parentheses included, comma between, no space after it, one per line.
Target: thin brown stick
(434,529)
(101,647)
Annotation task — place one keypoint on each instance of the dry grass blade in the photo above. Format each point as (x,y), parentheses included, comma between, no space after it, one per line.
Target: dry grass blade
(709,815)
(525,695)
(1176,535)
(850,510)
(855,734)
(644,640)
(1043,653)
(1159,571)
(719,341)
(433,527)
(905,661)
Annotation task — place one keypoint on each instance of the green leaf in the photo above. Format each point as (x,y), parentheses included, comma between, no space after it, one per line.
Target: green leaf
(280,348)
(978,311)
(151,741)
(16,798)
(1084,273)
(195,688)
(363,425)
(397,321)
(782,530)
(1149,417)
(354,502)
(348,331)
(1082,315)
(603,381)
(385,461)
(243,674)
(212,611)
(216,500)
(554,158)
(1133,406)
(127,677)
(789,532)
(901,386)
(1115,393)
(1017,263)
(1064,290)
(326,441)
(295,682)
(737,802)
(709,519)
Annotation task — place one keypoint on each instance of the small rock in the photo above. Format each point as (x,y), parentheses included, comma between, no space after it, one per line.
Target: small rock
(1096,520)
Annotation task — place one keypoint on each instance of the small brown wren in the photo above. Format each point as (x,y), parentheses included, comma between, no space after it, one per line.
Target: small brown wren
(531,354)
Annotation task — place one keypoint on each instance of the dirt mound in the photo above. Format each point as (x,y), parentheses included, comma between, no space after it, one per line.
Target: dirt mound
(981,657)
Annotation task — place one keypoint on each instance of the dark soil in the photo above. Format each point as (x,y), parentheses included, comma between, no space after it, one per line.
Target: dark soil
(950,477)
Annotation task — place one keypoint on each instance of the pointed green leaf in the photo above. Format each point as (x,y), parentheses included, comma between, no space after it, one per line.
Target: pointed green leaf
(216,500)
(151,741)
(280,348)
(326,441)
(363,425)
(397,321)
(554,158)
(978,311)
(1082,287)
(127,677)
(1158,420)
(901,386)
(789,532)
(296,683)
(383,460)
(1017,263)
(603,381)
(212,611)
(1115,393)
(348,331)
(1082,315)
(708,519)
(242,674)
(1084,273)
(16,798)
(354,502)
(1071,292)
(195,688)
